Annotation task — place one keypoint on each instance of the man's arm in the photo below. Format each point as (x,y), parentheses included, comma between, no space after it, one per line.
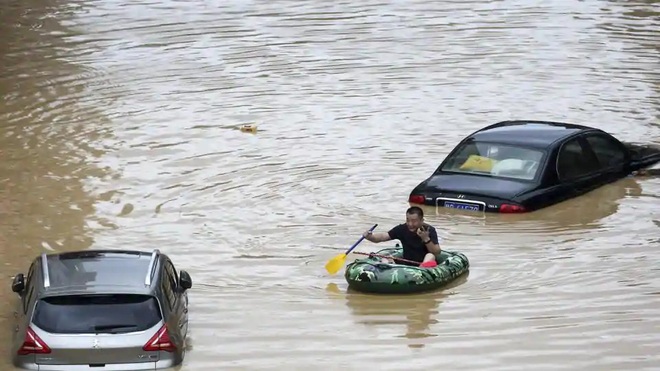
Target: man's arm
(430,240)
(433,247)
(377,237)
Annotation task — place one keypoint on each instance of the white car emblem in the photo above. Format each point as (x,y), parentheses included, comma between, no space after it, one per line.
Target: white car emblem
(96,344)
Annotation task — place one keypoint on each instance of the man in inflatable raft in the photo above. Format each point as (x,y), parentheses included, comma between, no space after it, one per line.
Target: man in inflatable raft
(419,240)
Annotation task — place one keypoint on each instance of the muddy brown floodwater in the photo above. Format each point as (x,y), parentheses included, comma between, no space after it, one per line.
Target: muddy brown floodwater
(118,129)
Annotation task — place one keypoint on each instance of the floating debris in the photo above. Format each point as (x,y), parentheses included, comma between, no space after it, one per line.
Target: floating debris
(248,128)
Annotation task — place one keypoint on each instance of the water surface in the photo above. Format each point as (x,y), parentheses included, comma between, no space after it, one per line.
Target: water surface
(118,129)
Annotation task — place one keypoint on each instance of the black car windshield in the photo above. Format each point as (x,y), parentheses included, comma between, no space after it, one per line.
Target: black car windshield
(101,313)
(494,159)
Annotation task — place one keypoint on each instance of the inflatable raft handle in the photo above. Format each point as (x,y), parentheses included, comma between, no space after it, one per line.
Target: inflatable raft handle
(335,264)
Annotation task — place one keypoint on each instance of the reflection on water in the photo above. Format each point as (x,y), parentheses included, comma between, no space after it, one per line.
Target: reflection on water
(48,139)
(584,212)
(48,144)
(418,313)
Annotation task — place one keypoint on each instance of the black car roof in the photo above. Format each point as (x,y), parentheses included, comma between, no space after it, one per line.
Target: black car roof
(537,134)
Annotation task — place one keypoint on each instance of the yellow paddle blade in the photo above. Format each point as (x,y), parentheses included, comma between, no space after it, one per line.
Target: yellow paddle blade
(334,265)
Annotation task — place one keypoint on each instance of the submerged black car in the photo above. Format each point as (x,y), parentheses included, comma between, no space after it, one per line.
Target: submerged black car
(521,166)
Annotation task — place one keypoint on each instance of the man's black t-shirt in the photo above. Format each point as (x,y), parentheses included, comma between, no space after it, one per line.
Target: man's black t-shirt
(413,246)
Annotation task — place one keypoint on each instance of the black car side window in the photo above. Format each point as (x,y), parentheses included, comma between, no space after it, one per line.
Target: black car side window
(169,284)
(172,273)
(168,291)
(29,288)
(27,298)
(608,151)
(28,280)
(573,162)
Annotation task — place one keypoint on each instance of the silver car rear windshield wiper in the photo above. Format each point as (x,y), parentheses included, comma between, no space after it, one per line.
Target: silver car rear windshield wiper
(114,327)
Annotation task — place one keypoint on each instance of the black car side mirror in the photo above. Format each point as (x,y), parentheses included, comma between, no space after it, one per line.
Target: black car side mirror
(184,280)
(18,285)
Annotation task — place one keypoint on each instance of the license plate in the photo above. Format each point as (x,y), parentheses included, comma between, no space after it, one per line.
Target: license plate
(461,206)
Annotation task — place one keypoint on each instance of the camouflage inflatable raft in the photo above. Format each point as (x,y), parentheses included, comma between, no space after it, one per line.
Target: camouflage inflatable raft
(370,275)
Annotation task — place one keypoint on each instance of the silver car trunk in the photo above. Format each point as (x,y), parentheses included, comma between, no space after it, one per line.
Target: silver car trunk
(94,329)
(96,349)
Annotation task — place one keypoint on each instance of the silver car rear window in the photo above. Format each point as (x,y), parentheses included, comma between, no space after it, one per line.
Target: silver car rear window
(98,313)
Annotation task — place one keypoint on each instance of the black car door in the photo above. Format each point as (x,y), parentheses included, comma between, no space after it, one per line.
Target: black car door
(611,155)
(577,167)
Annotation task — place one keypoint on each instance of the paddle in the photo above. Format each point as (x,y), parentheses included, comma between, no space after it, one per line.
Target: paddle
(388,257)
(428,264)
(334,265)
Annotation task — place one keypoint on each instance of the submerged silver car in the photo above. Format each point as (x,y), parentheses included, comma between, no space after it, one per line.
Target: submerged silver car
(101,310)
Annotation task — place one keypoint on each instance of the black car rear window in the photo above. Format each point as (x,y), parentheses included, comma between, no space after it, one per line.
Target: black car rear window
(496,160)
(88,314)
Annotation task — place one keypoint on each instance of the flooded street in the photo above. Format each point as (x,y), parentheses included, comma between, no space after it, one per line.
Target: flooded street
(118,129)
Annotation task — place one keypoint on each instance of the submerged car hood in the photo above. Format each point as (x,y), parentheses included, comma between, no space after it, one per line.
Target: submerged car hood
(476,185)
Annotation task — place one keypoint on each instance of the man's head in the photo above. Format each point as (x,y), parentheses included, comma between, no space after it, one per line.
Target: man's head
(414,218)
